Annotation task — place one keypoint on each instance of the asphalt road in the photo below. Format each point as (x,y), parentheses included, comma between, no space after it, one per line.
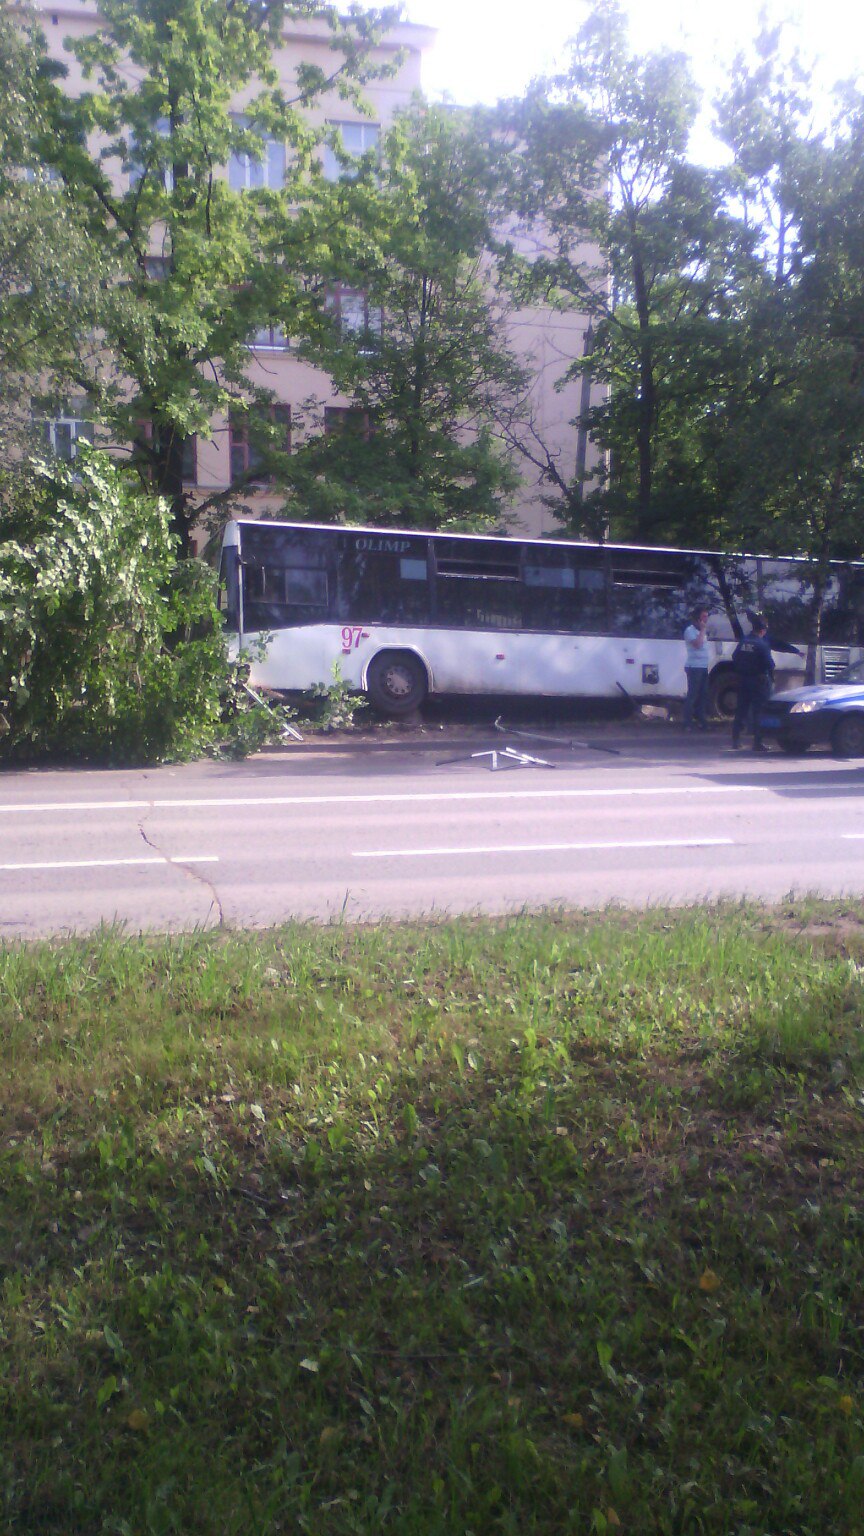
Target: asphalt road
(635,815)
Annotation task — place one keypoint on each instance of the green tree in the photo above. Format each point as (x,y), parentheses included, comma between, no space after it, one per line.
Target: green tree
(409,321)
(142,153)
(51,278)
(800,397)
(604,160)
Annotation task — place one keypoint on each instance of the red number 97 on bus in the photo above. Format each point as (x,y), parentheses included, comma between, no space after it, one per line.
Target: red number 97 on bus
(352,634)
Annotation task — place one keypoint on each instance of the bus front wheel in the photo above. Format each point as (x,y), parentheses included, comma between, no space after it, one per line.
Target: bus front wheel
(396,682)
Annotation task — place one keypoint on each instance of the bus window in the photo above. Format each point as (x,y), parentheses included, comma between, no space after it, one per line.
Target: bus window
(851,601)
(285,581)
(843,610)
(564,590)
(549,596)
(383,580)
(730,589)
(652,595)
(550,576)
(278,596)
(478,584)
(469,602)
(786,598)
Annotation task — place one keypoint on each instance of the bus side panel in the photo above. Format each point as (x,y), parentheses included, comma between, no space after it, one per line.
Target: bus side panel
(298,658)
(469,662)
(556,666)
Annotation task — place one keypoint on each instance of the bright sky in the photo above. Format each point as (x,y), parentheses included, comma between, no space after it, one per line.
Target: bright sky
(488,50)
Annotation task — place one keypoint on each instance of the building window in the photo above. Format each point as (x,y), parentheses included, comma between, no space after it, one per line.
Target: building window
(137,168)
(190,460)
(46,175)
(355,315)
(158,268)
(346,421)
(271,336)
(356,139)
(247,457)
(62,432)
(190,451)
(265,168)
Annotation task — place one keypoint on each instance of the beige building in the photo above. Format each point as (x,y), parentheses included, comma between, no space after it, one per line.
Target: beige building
(548,341)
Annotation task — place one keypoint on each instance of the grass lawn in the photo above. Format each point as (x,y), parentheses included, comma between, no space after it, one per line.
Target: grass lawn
(552,1224)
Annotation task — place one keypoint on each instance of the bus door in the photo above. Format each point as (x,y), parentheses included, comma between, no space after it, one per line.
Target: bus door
(229,593)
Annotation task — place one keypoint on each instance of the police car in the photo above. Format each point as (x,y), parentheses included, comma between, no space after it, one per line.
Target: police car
(830,713)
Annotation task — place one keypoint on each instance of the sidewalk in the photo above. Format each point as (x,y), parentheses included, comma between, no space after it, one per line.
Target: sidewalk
(450,737)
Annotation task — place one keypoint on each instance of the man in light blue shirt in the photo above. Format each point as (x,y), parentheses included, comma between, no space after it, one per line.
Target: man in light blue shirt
(696,669)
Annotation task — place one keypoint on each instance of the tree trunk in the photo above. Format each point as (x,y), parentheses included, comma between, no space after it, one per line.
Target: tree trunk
(168,447)
(647,404)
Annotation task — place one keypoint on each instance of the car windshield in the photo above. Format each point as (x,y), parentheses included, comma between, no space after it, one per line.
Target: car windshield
(853,674)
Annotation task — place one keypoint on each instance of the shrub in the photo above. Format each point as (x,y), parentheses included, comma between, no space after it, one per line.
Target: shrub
(337,703)
(111,648)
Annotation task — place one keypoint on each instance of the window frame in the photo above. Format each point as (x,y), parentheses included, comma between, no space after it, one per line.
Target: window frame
(255,344)
(372,324)
(137,169)
(239,440)
(240,159)
(332,167)
(190,445)
(48,423)
(338,419)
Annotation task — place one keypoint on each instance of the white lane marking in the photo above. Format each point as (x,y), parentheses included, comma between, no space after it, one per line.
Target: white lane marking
(393,799)
(194,858)
(428,853)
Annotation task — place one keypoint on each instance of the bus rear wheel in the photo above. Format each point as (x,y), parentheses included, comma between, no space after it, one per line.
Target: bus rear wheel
(722,693)
(396,682)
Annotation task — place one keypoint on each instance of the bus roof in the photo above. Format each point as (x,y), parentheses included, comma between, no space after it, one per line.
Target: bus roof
(543,543)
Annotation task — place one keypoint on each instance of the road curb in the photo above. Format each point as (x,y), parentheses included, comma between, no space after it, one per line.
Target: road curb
(579,735)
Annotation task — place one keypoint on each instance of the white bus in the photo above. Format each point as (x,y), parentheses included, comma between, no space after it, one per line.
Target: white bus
(409,614)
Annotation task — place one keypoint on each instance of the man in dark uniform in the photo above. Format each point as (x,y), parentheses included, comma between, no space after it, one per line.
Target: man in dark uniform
(754,669)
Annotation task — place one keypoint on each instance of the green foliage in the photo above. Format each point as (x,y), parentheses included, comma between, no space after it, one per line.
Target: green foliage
(250,722)
(605,161)
(137,149)
(51,275)
(541,1225)
(726,308)
(726,316)
(338,705)
(248,727)
(799,393)
(423,355)
(111,649)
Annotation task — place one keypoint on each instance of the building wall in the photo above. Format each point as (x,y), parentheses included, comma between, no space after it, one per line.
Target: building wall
(548,341)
